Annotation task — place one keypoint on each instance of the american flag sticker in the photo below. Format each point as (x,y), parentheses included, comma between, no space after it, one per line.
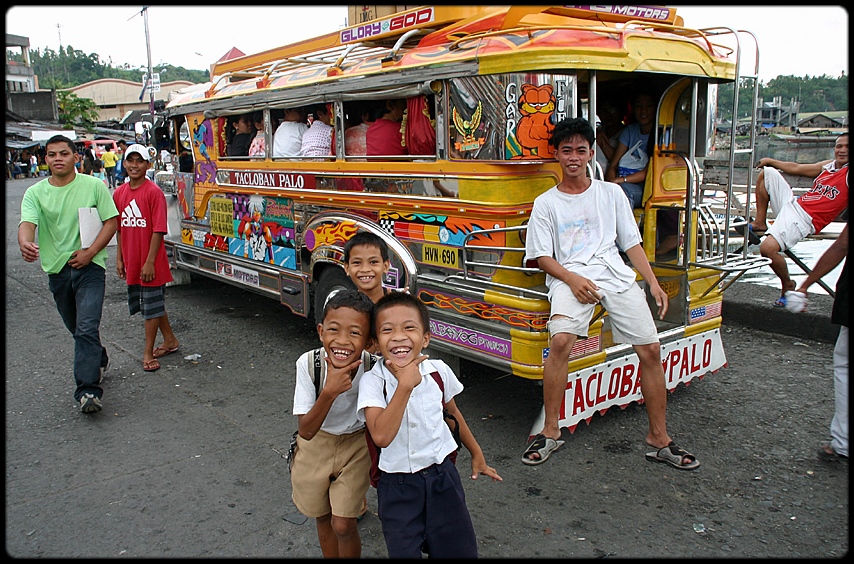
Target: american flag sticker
(705,312)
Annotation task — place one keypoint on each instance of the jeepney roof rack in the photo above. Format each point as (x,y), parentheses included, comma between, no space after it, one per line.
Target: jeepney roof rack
(346,48)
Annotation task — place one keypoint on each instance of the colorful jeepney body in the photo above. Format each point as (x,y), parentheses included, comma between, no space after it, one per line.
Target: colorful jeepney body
(484,87)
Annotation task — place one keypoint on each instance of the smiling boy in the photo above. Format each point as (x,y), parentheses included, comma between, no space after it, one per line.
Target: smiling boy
(420,497)
(330,473)
(366,262)
(576,231)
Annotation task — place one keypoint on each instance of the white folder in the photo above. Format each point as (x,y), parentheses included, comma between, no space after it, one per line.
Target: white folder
(90,226)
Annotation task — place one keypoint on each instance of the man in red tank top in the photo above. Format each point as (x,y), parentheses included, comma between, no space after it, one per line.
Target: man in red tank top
(798,218)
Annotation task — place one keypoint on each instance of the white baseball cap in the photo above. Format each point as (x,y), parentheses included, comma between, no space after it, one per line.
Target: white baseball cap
(142,150)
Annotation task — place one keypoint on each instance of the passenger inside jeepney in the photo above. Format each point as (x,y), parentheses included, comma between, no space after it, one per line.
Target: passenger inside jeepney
(317,139)
(383,137)
(287,141)
(185,161)
(629,164)
(258,147)
(359,116)
(239,135)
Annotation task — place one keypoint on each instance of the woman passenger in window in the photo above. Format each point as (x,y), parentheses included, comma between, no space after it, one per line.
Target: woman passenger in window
(244,131)
(258,147)
(383,136)
(355,140)
(317,140)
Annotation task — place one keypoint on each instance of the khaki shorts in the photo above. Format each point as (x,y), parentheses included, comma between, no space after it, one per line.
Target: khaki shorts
(630,315)
(331,474)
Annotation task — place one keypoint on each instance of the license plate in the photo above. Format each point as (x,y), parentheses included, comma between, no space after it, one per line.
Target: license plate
(438,255)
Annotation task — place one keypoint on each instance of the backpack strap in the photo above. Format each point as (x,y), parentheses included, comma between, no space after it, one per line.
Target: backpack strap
(317,371)
(455,429)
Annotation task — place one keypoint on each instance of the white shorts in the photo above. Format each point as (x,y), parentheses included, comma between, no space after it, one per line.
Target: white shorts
(792,224)
(630,316)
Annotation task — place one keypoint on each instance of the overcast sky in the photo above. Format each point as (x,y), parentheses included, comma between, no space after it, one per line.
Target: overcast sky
(793,40)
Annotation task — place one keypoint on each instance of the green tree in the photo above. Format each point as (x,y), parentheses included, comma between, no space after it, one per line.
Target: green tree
(815,93)
(68,67)
(74,111)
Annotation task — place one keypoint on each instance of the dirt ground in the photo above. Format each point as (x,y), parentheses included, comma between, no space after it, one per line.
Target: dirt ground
(188,461)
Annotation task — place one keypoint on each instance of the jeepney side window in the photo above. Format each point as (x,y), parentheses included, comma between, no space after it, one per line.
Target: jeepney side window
(507,116)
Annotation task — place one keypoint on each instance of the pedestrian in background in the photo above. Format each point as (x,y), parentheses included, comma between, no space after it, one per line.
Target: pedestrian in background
(110,159)
(76,274)
(88,161)
(98,171)
(838,447)
(120,154)
(141,255)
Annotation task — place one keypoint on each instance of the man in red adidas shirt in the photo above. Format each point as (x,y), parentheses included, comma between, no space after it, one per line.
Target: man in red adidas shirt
(798,218)
(141,255)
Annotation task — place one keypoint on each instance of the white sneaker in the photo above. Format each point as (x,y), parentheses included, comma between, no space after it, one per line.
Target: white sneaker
(89,403)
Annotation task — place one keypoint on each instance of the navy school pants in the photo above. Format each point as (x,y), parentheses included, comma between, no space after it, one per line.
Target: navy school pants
(426,511)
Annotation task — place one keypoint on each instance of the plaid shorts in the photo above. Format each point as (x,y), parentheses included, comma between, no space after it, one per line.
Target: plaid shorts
(150,300)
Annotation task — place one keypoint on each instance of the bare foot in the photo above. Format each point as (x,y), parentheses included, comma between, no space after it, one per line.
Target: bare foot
(760,227)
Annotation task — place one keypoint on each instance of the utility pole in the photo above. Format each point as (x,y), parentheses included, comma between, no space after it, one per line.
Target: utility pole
(61,53)
(151,137)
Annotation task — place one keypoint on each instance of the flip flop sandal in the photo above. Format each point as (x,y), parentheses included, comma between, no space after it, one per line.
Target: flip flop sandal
(163,351)
(543,446)
(828,454)
(674,456)
(151,365)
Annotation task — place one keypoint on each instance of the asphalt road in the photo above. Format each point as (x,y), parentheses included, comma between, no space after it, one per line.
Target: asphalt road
(189,461)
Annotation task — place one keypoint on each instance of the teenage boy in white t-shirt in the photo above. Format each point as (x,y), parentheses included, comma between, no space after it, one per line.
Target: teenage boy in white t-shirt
(575,233)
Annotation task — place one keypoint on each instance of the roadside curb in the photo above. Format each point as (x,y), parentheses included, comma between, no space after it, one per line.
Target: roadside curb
(751,305)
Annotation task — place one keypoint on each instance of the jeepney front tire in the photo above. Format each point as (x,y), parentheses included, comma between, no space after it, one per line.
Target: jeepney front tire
(331,280)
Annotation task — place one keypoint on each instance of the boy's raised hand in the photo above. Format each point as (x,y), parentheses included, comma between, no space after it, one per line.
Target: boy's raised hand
(407,374)
(339,380)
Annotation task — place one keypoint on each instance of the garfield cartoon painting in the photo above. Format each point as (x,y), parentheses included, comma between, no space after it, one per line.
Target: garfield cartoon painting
(536,104)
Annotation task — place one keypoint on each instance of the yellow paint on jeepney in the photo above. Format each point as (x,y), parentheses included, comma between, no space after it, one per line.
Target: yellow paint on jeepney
(676,56)
(528,349)
(670,287)
(508,189)
(703,326)
(527,356)
(700,285)
(586,361)
(516,302)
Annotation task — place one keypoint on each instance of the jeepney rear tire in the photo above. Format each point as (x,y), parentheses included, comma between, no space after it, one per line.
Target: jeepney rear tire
(331,280)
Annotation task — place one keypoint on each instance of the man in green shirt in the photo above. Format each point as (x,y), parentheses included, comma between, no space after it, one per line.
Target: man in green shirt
(76,272)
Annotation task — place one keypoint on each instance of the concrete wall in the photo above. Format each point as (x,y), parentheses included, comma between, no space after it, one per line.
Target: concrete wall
(33,105)
(116,97)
